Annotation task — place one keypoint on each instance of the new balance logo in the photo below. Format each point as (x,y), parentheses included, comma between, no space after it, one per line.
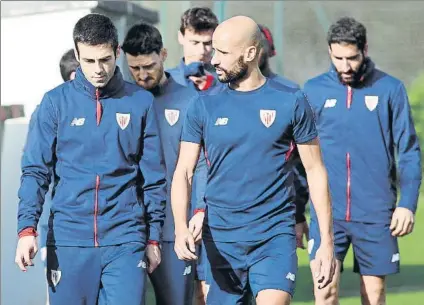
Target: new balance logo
(221,121)
(142,264)
(330,103)
(187,270)
(78,122)
(395,258)
(290,276)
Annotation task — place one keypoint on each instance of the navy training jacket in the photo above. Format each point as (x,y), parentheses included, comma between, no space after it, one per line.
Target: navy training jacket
(369,144)
(103,148)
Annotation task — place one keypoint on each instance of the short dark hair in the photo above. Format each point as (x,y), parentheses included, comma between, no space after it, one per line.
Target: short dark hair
(68,64)
(95,29)
(142,39)
(198,19)
(348,30)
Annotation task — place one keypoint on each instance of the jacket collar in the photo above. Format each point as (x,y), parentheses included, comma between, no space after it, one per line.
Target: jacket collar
(112,88)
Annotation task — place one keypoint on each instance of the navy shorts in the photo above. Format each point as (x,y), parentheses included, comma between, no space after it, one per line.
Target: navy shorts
(202,266)
(173,279)
(375,250)
(242,269)
(96,276)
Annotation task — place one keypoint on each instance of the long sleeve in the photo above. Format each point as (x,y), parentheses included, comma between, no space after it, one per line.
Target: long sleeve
(408,150)
(37,162)
(152,168)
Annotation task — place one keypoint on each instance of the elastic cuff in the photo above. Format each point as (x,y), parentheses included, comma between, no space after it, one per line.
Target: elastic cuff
(198,211)
(300,218)
(29,231)
(153,242)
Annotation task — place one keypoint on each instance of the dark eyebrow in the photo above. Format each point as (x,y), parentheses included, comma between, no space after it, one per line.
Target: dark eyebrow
(100,59)
(220,51)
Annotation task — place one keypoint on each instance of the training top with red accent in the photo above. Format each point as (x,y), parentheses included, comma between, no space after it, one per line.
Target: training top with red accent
(249,191)
(369,144)
(103,148)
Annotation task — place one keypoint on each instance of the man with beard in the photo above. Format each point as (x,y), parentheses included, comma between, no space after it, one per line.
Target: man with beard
(301,185)
(247,129)
(364,122)
(173,280)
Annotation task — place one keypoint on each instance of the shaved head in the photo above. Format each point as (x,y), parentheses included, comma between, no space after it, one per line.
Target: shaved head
(239,31)
(236,42)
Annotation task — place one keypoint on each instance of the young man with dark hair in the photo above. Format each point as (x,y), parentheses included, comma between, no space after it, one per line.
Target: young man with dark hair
(195,36)
(68,65)
(301,185)
(99,138)
(364,121)
(173,280)
(247,129)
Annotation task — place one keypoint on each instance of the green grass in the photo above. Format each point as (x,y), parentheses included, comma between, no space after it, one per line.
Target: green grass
(406,288)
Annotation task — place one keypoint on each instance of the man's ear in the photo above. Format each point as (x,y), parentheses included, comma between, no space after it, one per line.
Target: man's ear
(76,54)
(118,52)
(163,54)
(366,50)
(180,38)
(251,53)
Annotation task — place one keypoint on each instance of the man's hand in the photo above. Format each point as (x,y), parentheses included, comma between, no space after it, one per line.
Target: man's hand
(26,251)
(402,222)
(325,264)
(199,81)
(195,226)
(184,245)
(302,229)
(153,257)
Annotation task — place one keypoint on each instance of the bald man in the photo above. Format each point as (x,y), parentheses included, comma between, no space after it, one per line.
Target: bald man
(246,129)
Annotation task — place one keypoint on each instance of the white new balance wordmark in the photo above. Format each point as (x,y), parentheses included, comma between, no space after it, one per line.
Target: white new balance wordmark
(78,122)
(187,270)
(290,276)
(221,121)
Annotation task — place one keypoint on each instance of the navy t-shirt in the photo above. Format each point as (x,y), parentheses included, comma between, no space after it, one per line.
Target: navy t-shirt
(250,191)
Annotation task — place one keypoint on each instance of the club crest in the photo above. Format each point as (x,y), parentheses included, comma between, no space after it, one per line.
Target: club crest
(172,116)
(123,120)
(267,117)
(55,276)
(371,102)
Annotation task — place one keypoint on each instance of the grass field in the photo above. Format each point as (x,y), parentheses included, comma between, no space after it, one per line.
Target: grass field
(406,288)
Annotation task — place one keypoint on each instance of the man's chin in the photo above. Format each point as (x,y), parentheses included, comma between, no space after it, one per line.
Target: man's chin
(147,86)
(223,79)
(99,85)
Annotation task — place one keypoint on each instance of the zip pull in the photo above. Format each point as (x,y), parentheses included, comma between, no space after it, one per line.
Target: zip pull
(98,107)
(349,97)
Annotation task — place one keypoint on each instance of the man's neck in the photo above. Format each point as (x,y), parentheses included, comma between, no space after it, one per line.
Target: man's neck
(266,70)
(158,88)
(253,80)
(187,61)
(163,79)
